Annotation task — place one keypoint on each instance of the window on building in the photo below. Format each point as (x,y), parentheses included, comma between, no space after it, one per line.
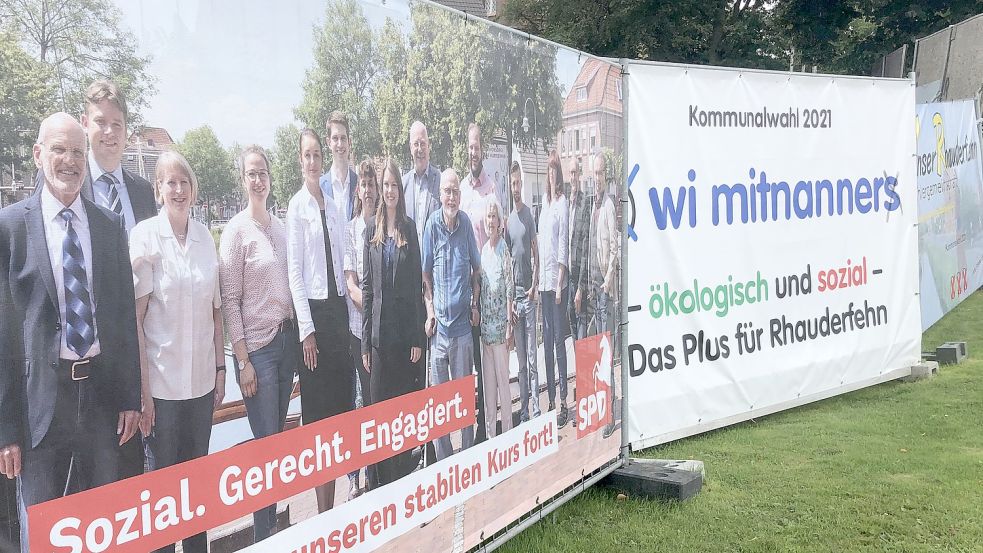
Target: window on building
(576,142)
(593,137)
(581,93)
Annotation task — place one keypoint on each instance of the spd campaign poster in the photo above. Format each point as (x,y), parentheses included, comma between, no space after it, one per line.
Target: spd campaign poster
(771,257)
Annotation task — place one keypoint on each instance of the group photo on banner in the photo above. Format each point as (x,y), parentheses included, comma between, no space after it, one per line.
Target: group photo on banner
(355,289)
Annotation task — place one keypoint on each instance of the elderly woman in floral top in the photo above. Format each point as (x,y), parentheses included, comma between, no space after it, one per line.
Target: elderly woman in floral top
(497,295)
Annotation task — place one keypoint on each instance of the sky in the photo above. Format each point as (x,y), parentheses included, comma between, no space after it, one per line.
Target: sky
(239,66)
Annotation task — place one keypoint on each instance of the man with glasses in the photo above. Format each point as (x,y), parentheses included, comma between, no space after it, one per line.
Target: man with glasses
(69,363)
(451,285)
(108,184)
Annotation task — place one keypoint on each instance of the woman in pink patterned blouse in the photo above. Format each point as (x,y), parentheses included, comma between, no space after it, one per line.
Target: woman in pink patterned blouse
(259,316)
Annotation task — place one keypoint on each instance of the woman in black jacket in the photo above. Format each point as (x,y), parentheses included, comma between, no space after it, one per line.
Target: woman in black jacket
(393,316)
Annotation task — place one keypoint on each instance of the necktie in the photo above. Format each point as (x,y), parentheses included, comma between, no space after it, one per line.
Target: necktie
(79,325)
(112,196)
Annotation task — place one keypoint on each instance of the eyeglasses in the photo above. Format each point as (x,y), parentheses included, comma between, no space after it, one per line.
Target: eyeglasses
(60,151)
(257,175)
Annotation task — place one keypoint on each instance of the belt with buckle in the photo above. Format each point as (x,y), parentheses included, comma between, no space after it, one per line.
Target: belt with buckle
(77,369)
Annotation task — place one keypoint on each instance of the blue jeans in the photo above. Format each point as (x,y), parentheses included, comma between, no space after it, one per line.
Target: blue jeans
(275,364)
(525,352)
(181,432)
(453,358)
(555,322)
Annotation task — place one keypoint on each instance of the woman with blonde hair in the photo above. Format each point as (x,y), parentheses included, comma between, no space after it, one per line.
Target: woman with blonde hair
(179,324)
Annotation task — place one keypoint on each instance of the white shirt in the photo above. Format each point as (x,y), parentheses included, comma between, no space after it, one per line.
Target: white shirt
(306,263)
(554,245)
(100,191)
(355,262)
(179,328)
(55,229)
(339,191)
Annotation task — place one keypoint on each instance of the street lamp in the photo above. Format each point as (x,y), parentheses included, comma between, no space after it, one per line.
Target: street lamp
(535,131)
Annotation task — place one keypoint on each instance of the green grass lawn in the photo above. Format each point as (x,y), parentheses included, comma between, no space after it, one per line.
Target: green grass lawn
(896,467)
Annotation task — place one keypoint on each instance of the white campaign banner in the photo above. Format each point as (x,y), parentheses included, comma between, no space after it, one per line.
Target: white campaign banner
(771,257)
(950,206)
(371,520)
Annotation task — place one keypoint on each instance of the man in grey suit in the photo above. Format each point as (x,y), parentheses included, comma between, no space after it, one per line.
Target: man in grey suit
(421,184)
(69,362)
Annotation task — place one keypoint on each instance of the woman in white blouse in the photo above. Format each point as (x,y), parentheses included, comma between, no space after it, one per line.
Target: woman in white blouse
(315,265)
(179,324)
(554,259)
(259,310)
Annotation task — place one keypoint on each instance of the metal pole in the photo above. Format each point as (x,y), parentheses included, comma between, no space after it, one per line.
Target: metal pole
(622,321)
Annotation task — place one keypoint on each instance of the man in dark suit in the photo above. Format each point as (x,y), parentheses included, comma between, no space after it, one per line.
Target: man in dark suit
(111,186)
(421,184)
(69,363)
(106,182)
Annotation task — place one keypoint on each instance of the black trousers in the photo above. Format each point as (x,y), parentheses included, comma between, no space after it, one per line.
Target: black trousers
(392,375)
(329,389)
(80,450)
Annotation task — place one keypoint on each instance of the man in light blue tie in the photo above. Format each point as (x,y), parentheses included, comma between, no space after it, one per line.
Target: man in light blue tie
(69,363)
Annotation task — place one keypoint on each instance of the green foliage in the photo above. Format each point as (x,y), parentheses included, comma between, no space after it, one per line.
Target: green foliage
(443,71)
(837,36)
(80,41)
(389,93)
(345,64)
(285,160)
(212,164)
(27,95)
(892,468)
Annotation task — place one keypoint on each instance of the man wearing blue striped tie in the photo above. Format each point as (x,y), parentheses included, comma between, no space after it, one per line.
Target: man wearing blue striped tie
(108,184)
(69,363)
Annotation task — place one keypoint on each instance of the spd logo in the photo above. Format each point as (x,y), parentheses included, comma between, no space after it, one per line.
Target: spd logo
(594,383)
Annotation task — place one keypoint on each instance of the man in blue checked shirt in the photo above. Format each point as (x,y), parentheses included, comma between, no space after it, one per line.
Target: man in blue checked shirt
(451,285)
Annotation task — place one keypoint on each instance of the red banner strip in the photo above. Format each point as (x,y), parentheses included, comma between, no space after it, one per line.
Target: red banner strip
(161,507)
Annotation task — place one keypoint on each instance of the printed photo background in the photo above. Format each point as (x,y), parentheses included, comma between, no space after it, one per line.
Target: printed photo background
(228,76)
(950,193)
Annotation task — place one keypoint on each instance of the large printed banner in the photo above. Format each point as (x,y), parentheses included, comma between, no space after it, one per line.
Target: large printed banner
(166,505)
(950,206)
(378,516)
(442,442)
(773,252)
